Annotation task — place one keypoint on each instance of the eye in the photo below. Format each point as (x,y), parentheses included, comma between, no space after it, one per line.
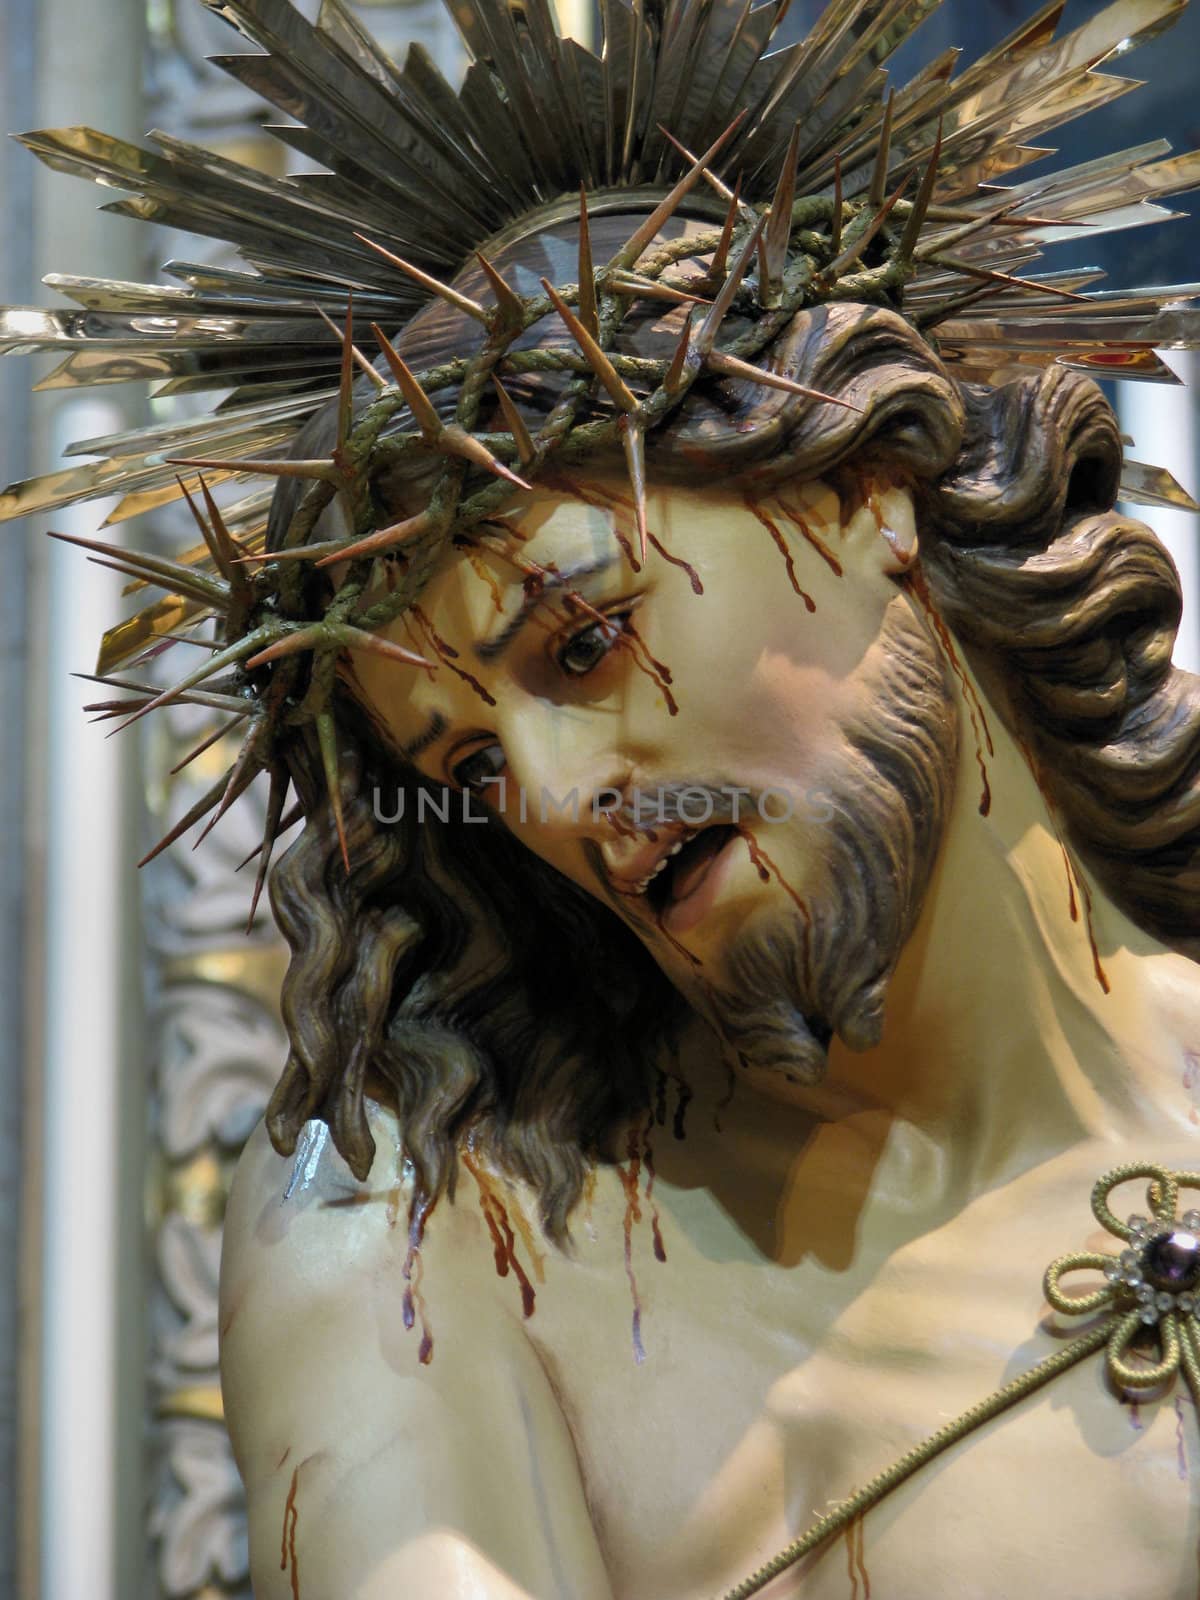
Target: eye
(483,763)
(586,648)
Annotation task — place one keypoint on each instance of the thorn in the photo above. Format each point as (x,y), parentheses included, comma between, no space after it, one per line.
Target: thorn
(291,644)
(835,227)
(220,560)
(778,233)
(521,436)
(457,441)
(205,744)
(916,217)
(952,306)
(276,795)
(372,644)
(177,587)
(998,218)
(344,637)
(289,821)
(222,546)
(852,252)
(381,539)
(1031,284)
(509,304)
(204,804)
(327,739)
(377,378)
(215,702)
(883,155)
(633,438)
(733,367)
(204,641)
(155,570)
(306,552)
(418,402)
(720,258)
(110,681)
(234,548)
(105,710)
(231,655)
(246,767)
(345,411)
(632,249)
(326,471)
(706,338)
(673,381)
(434,285)
(1045,222)
(587,272)
(612,380)
(629,283)
(708,175)
(957,236)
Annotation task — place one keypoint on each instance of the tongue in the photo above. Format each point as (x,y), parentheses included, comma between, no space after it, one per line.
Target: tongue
(695,859)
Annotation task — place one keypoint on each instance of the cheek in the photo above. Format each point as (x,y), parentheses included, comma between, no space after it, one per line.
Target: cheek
(762,712)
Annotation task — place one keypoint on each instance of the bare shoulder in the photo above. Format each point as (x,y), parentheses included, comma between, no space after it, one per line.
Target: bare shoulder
(385,1450)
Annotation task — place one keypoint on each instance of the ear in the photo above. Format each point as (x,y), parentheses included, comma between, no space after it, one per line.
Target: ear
(883,529)
(897,528)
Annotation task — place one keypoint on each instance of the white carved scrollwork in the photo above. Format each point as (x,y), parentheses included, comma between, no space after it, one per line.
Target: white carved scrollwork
(218,1045)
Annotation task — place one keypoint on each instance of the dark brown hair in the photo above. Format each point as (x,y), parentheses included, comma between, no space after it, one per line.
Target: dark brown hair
(495,997)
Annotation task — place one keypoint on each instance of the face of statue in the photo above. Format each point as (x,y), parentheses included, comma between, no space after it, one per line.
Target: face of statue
(690,743)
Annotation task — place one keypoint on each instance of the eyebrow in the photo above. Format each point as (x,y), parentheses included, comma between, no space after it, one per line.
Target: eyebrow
(433,732)
(492,649)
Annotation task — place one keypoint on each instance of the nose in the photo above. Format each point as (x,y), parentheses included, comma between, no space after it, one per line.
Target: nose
(567,763)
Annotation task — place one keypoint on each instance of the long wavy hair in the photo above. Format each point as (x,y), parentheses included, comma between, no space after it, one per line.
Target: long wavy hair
(500,1002)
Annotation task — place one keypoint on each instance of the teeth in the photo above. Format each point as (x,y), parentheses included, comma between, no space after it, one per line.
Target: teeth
(640,888)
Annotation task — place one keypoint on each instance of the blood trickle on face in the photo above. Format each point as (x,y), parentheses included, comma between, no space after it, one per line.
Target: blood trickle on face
(673,739)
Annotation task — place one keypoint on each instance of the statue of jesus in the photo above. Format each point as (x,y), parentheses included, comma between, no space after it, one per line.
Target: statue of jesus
(750,959)
(739,1130)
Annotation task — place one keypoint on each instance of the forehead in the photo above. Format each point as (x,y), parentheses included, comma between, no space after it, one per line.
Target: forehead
(549,535)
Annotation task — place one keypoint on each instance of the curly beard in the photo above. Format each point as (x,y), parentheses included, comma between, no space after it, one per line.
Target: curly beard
(791,987)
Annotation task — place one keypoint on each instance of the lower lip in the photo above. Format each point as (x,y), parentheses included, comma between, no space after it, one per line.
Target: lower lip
(683,915)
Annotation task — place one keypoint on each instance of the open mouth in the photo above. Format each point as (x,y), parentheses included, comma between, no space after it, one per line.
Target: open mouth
(678,877)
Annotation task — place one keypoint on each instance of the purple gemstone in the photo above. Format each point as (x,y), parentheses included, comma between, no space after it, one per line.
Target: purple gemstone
(1171,1260)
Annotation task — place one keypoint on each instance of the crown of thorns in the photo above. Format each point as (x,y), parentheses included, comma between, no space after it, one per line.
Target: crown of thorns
(842,192)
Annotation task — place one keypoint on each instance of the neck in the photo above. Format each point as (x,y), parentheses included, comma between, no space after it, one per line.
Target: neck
(1027,1014)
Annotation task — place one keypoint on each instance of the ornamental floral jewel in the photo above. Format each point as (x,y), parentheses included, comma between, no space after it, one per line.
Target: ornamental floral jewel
(1152,1284)
(1151,1291)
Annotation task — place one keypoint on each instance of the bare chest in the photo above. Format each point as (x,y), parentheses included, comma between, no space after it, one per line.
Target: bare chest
(721,1401)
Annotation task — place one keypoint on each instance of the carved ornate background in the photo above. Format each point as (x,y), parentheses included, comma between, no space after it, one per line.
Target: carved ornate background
(217,1043)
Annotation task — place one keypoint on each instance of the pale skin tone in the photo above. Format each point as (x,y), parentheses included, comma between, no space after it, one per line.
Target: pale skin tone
(847,1266)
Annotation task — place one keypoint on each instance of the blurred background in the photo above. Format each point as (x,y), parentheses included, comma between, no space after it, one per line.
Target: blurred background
(138,1032)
